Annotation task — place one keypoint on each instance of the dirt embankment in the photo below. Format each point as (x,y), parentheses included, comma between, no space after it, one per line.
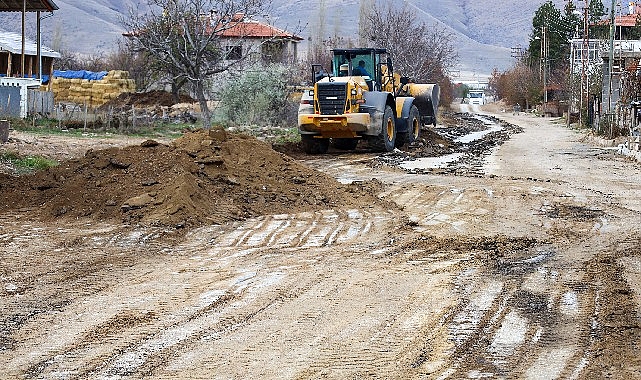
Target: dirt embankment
(203,177)
(213,177)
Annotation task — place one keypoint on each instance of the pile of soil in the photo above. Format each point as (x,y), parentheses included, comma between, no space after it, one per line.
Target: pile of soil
(154,98)
(205,177)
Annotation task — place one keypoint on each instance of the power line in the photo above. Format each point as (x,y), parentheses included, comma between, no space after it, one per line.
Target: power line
(518,53)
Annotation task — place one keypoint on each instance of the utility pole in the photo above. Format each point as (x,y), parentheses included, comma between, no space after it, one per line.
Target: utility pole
(611,55)
(545,66)
(584,57)
(517,53)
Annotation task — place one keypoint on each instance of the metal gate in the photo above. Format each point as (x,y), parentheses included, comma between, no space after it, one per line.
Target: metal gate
(9,101)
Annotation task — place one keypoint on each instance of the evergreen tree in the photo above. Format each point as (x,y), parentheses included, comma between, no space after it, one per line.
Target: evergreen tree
(548,24)
(596,13)
(572,20)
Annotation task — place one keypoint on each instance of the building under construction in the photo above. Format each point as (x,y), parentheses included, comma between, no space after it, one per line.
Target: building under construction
(24,64)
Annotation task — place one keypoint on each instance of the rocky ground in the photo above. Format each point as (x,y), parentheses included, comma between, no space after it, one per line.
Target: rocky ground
(215,256)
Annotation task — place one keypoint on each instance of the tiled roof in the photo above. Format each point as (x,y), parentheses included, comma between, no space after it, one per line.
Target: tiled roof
(240,27)
(626,20)
(245,28)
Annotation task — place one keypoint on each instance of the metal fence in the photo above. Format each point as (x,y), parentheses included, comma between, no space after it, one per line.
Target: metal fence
(122,118)
(17,101)
(40,102)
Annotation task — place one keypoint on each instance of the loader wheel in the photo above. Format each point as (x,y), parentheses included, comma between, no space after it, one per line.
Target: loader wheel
(312,145)
(414,128)
(386,141)
(345,144)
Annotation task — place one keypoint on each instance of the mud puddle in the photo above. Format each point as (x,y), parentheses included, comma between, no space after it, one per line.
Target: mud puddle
(458,148)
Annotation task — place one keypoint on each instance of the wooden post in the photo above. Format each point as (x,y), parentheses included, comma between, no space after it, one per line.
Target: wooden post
(4,131)
(24,13)
(29,68)
(38,48)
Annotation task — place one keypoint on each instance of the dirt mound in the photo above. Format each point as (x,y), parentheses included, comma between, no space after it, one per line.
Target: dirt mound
(146,99)
(204,177)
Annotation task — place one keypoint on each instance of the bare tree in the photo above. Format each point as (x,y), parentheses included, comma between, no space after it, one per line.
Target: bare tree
(185,38)
(365,7)
(139,64)
(422,52)
(67,61)
(520,85)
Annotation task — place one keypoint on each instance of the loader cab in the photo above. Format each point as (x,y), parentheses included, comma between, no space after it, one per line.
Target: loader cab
(371,60)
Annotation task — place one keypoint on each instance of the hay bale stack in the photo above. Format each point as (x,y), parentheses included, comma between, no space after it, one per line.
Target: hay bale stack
(93,92)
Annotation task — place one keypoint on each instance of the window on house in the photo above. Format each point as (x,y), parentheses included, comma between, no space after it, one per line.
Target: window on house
(272,52)
(234,52)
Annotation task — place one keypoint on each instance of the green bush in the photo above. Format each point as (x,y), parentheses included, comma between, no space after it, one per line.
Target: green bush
(26,164)
(260,96)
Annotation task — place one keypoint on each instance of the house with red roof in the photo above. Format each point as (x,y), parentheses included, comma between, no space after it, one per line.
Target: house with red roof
(244,36)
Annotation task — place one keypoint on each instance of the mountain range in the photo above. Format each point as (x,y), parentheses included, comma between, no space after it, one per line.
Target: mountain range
(484,32)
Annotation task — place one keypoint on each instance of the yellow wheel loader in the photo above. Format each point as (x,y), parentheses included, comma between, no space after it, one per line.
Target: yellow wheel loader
(362,98)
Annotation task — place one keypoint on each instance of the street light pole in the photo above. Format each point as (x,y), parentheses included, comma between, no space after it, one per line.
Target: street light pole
(545,67)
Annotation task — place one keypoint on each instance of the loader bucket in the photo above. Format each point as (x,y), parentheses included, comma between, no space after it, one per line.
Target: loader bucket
(426,97)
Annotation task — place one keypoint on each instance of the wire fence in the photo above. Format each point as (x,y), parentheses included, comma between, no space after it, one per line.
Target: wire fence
(121,118)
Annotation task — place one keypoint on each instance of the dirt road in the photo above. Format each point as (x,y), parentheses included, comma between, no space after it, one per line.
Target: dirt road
(530,268)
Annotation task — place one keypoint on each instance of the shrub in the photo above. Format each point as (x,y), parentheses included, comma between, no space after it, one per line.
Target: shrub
(259,96)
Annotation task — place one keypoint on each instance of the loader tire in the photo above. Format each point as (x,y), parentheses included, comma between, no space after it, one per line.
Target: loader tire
(312,145)
(386,141)
(414,128)
(345,144)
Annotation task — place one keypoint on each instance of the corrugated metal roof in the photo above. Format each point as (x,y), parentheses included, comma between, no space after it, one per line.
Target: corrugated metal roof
(32,5)
(12,42)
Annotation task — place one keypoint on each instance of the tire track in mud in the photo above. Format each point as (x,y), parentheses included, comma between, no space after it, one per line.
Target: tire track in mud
(528,320)
(363,293)
(615,336)
(300,231)
(286,232)
(506,326)
(538,316)
(215,314)
(44,284)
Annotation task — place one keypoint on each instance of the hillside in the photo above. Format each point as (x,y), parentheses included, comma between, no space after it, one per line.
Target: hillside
(484,31)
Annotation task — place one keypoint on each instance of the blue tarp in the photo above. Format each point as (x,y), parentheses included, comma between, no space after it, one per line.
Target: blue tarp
(79,74)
